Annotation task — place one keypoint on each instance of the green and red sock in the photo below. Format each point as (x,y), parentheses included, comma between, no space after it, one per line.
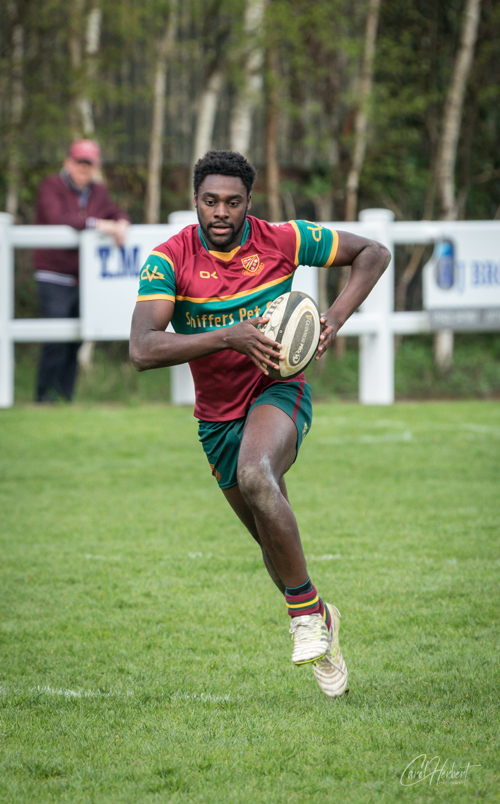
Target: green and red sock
(305,600)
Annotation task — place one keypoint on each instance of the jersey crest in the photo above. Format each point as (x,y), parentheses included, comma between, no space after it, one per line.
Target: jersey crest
(252,265)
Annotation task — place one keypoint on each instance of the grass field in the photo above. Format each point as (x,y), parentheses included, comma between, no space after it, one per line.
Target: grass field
(144,654)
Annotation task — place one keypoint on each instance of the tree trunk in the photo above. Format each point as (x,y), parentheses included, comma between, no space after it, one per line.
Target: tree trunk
(75,56)
(92,42)
(241,117)
(272,121)
(81,114)
(323,209)
(447,153)
(16,112)
(207,108)
(83,64)
(361,120)
(155,158)
(360,136)
(413,265)
(289,205)
(205,119)
(452,116)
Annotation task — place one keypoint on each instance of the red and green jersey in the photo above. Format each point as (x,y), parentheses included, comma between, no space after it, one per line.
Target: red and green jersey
(213,289)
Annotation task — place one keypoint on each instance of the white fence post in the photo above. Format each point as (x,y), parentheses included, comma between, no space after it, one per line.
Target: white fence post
(181,385)
(376,358)
(6,313)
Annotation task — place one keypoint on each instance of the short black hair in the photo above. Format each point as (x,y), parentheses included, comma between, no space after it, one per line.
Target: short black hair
(224,163)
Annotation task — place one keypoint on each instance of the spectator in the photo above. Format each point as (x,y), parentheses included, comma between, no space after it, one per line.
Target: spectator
(72,198)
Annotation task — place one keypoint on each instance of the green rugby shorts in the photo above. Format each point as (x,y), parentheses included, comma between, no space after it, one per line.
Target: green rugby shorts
(221,440)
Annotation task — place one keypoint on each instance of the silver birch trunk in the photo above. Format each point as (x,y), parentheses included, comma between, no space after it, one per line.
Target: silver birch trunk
(251,91)
(16,113)
(75,56)
(207,108)
(272,122)
(92,43)
(205,118)
(413,265)
(84,116)
(155,157)
(453,109)
(323,210)
(361,120)
(360,137)
(447,153)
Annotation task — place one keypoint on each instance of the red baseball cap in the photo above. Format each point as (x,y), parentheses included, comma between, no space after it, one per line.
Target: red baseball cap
(86,150)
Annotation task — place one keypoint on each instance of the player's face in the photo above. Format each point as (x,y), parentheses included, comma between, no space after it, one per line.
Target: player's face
(222,204)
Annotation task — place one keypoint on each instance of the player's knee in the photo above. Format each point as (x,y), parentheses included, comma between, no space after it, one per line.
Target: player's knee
(258,484)
(250,480)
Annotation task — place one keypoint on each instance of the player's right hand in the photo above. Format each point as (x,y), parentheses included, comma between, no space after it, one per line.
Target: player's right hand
(246,339)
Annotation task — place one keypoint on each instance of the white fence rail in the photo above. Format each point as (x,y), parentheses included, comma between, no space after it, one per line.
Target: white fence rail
(375,324)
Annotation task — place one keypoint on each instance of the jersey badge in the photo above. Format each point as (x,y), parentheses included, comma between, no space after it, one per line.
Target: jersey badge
(154,274)
(252,265)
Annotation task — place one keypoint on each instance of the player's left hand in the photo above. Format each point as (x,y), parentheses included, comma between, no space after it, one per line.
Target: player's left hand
(329,329)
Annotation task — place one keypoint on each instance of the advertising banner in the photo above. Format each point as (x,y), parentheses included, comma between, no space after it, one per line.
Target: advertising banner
(110,279)
(461,281)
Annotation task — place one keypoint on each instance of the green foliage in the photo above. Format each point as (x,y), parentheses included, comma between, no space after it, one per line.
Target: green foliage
(416,48)
(318,48)
(134,668)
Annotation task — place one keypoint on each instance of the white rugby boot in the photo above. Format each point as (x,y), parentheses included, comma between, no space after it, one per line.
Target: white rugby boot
(331,669)
(310,638)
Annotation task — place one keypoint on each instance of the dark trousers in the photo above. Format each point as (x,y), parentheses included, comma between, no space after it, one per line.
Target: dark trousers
(57,368)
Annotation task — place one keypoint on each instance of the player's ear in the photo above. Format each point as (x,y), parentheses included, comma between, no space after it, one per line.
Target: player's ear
(195,201)
(249,201)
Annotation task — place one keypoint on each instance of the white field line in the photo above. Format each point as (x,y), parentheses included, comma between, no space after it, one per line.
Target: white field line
(93,557)
(405,437)
(64,693)
(203,697)
(326,557)
(390,423)
(452,561)
(482,428)
(400,430)
(341,421)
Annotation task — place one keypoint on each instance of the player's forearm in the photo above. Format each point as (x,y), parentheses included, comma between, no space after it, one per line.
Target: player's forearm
(366,270)
(162,349)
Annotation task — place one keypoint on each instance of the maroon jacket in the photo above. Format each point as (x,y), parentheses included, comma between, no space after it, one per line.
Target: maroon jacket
(58,204)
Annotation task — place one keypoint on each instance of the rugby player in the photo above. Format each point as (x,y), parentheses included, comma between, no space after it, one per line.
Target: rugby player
(213,281)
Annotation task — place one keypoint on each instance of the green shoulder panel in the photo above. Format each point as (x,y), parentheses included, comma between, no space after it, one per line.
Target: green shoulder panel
(157,279)
(316,245)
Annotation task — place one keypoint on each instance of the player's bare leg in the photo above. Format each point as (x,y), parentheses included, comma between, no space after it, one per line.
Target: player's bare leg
(260,500)
(235,499)
(268,449)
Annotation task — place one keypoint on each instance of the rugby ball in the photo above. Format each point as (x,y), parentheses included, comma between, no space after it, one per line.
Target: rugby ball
(294,323)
